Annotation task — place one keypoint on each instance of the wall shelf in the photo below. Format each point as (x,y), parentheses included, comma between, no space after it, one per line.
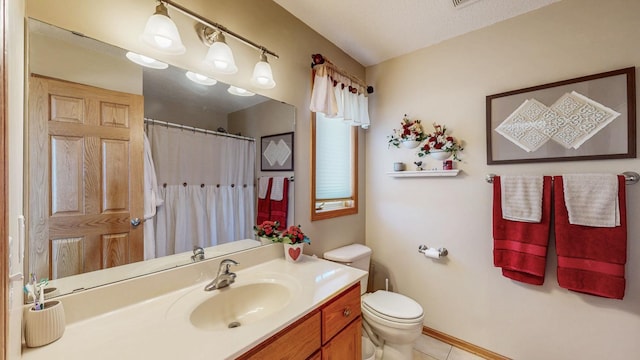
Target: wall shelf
(424,173)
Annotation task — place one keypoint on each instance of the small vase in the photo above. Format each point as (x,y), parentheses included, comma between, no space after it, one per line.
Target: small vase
(45,326)
(293,252)
(439,154)
(409,144)
(265,240)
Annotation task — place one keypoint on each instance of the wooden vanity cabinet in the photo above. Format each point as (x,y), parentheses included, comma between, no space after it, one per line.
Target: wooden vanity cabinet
(331,332)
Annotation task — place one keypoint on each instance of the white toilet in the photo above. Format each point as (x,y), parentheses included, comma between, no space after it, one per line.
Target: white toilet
(392,321)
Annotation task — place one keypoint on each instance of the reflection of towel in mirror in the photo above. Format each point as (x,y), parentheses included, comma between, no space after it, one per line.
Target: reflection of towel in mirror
(279,208)
(264,203)
(277,188)
(263,186)
(151,201)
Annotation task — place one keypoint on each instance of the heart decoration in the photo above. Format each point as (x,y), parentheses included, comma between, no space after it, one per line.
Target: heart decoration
(295,253)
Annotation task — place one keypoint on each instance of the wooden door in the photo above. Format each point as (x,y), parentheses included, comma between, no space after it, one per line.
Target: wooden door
(85,178)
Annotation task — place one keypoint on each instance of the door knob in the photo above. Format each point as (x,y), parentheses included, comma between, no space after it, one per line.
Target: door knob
(135,222)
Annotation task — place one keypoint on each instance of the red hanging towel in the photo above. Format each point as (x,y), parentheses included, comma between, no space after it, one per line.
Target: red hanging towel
(280,201)
(520,248)
(264,204)
(591,259)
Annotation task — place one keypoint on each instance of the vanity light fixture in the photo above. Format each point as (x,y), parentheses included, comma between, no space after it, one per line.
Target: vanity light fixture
(219,55)
(239,91)
(161,33)
(262,74)
(200,79)
(146,61)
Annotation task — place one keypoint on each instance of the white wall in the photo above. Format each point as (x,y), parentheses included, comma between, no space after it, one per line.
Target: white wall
(464,295)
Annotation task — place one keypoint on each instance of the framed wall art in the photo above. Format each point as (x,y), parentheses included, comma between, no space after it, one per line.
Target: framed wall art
(586,118)
(276,152)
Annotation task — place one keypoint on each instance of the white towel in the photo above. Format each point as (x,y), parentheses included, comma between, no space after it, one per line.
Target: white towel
(277,188)
(592,199)
(263,187)
(521,198)
(151,201)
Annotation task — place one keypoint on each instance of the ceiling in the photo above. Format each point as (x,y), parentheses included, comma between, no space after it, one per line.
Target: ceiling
(372,31)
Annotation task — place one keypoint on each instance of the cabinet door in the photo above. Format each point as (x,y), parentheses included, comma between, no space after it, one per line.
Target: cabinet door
(347,345)
(296,342)
(340,312)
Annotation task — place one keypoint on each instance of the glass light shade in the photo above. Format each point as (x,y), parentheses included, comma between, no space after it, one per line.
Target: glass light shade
(221,58)
(146,61)
(262,75)
(200,79)
(239,91)
(162,34)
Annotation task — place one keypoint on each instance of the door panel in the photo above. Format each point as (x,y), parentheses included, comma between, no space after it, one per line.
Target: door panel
(85,178)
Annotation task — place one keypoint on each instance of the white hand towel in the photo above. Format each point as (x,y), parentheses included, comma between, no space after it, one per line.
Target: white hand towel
(277,188)
(521,198)
(263,186)
(592,199)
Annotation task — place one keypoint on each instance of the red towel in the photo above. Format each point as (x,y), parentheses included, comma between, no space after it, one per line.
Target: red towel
(264,206)
(520,248)
(591,259)
(280,209)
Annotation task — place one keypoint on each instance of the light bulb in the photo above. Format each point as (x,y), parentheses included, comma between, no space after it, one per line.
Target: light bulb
(220,56)
(146,61)
(262,75)
(161,33)
(200,79)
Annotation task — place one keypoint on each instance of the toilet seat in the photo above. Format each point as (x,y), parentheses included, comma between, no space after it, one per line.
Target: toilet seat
(393,307)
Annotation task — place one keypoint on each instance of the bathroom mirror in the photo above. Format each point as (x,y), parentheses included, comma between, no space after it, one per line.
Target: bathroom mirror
(169,96)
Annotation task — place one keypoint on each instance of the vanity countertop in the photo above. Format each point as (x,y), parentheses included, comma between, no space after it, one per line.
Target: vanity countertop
(156,328)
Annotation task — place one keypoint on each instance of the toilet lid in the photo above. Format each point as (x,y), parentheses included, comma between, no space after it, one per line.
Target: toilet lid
(392,305)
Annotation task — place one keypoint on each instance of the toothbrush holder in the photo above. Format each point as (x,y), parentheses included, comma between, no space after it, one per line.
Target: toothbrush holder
(44,326)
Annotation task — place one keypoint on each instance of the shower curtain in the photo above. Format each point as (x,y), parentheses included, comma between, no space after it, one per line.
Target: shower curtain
(206,182)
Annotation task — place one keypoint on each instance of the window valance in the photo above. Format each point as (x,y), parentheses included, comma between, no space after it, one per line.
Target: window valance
(339,95)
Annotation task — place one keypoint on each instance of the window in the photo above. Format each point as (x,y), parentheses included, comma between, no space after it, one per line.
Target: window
(334,168)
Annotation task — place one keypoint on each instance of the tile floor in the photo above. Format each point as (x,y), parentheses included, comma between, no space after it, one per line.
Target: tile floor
(428,348)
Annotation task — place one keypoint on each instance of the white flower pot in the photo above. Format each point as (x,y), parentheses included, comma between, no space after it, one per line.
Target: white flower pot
(439,154)
(293,252)
(265,240)
(409,144)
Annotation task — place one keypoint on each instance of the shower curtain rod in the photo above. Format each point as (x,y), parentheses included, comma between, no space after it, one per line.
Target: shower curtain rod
(195,129)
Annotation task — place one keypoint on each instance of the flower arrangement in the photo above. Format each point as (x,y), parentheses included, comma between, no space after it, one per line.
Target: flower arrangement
(440,141)
(294,235)
(411,130)
(268,229)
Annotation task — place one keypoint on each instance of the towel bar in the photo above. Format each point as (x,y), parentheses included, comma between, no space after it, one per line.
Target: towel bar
(630,177)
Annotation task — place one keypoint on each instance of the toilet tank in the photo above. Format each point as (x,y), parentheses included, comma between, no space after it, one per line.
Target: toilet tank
(356,255)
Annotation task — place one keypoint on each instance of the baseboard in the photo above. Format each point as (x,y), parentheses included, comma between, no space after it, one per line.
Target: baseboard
(461,344)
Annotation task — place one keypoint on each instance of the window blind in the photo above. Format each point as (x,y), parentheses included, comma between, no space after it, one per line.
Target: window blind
(333,159)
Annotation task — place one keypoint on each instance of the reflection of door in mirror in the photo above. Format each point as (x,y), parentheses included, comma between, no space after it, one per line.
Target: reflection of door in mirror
(85,167)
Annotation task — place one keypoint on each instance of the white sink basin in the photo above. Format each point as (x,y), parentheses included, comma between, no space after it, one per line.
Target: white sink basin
(236,306)
(241,304)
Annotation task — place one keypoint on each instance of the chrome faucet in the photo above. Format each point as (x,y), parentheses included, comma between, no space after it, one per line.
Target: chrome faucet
(224,277)
(198,254)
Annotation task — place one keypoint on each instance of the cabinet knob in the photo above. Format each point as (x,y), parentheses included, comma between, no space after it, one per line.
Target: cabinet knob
(346,312)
